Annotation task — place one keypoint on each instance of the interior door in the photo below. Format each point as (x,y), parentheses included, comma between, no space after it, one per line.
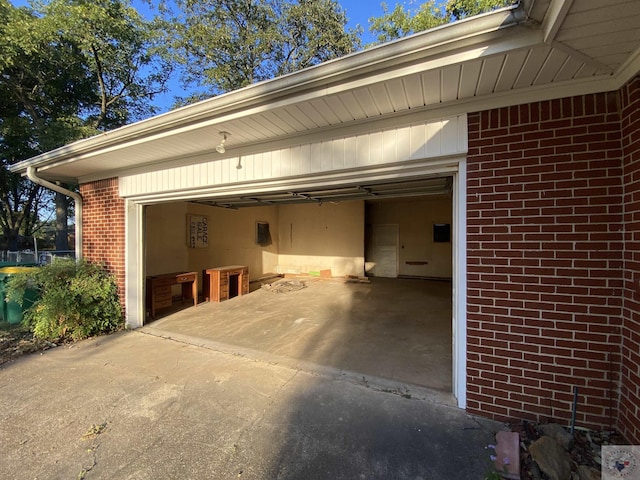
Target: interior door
(385,251)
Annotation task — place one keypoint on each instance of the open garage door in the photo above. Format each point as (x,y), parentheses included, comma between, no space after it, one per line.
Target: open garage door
(396,329)
(324,212)
(384,229)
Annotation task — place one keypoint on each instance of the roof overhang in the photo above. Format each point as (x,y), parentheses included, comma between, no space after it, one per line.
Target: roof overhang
(537,50)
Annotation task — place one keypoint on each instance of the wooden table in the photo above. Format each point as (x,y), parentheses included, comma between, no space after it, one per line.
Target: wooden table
(221,283)
(159,289)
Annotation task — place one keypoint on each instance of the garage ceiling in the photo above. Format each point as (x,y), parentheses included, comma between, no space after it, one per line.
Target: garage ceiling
(364,191)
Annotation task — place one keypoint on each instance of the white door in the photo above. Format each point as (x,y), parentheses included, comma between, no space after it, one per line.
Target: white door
(385,251)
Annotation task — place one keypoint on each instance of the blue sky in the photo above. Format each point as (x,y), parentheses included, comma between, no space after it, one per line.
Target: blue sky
(360,11)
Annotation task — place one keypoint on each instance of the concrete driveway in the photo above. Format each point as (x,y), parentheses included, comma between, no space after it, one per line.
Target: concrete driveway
(137,406)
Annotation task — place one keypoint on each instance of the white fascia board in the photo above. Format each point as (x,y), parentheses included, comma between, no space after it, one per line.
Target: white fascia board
(476,104)
(432,112)
(400,119)
(259,96)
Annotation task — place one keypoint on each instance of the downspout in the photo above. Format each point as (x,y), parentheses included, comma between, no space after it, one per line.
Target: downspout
(31,175)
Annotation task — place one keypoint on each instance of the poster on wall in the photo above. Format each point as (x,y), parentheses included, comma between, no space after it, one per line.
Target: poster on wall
(197,231)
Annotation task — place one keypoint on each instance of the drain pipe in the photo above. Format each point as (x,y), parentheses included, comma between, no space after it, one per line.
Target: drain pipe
(31,175)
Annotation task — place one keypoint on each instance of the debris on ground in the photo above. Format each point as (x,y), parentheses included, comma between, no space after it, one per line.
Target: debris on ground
(95,430)
(284,286)
(16,342)
(324,275)
(550,451)
(356,279)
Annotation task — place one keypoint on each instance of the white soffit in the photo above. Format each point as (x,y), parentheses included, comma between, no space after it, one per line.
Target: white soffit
(543,49)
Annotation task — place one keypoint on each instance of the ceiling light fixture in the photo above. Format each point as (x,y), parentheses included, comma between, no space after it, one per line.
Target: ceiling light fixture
(221,148)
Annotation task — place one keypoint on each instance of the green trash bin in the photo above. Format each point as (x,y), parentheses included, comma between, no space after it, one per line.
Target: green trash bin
(16,264)
(12,312)
(3,304)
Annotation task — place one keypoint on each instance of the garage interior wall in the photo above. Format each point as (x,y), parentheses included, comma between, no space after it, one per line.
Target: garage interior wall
(320,237)
(304,238)
(418,254)
(166,243)
(232,239)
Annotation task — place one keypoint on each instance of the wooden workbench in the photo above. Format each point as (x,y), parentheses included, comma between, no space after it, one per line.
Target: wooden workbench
(222,283)
(159,289)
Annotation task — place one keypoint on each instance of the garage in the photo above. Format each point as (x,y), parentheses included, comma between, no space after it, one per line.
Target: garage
(533,126)
(384,200)
(329,180)
(382,306)
(350,140)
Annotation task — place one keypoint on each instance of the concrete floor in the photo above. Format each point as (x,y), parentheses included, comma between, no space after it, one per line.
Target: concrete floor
(136,406)
(394,329)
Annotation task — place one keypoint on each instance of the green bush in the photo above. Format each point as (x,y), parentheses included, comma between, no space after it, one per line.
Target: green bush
(75,300)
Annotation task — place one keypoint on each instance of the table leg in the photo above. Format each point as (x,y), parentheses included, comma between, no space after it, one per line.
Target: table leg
(194,292)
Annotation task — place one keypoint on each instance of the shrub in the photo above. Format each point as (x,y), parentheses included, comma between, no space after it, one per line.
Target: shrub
(75,300)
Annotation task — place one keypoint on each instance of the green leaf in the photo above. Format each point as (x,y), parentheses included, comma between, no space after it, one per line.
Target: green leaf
(74,300)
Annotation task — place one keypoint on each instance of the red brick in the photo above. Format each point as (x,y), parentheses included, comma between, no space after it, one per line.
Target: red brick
(556,238)
(103,228)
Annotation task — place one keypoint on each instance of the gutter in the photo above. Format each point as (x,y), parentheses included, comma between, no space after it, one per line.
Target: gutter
(31,175)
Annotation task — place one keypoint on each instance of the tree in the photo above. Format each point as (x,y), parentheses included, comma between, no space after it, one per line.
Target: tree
(403,21)
(222,45)
(120,52)
(70,68)
(459,9)
(39,100)
(119,49)
(312,32)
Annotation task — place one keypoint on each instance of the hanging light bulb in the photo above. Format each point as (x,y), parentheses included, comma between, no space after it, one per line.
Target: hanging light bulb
(221,148)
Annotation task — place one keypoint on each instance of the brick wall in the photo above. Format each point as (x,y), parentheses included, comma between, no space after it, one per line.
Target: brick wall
(545,258)
(103,238)
(629,419)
